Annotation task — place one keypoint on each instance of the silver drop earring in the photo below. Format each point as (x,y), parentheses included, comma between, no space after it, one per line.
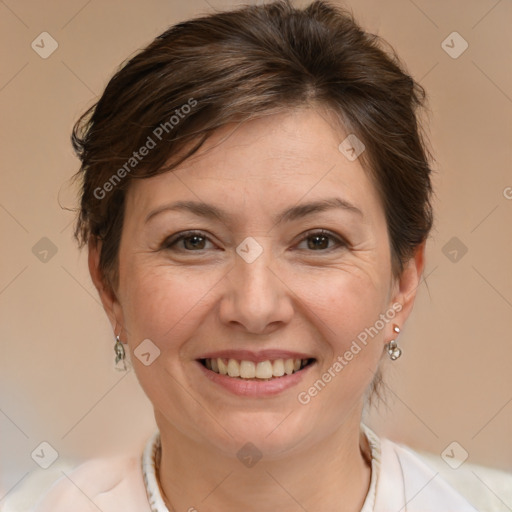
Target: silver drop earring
(394,350)
(120,356)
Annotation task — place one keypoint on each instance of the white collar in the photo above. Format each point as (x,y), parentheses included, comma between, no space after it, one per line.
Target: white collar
(156,501)
(408,484)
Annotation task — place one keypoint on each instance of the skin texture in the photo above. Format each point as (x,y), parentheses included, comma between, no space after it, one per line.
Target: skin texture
(299,294)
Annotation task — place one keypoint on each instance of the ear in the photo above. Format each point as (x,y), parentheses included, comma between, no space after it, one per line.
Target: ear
(107,294)
(406,286)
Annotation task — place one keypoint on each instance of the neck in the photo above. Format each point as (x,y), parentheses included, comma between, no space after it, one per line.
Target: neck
(333,474)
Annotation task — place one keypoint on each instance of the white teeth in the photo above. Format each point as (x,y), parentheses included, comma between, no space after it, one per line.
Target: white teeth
(223,367)
(233,368)
(264,370)
(278,368)
(247,370)
(250,370)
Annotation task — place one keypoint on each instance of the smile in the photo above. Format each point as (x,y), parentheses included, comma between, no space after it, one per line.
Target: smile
(255,371)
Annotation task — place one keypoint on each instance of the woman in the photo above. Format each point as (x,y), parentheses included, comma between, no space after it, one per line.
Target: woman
(256,201)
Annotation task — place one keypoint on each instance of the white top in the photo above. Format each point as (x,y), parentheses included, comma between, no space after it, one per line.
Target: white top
(400,481)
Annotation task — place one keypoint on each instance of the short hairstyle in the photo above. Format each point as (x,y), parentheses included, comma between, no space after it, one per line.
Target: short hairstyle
(232,66)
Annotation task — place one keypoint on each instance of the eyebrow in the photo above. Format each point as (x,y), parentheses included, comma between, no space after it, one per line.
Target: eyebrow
(290,214)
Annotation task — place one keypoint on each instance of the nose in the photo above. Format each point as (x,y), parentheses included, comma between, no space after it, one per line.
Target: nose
(256,299)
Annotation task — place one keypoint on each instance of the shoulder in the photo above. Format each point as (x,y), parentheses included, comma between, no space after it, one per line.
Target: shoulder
(110,484)
(430,483)
(487,488)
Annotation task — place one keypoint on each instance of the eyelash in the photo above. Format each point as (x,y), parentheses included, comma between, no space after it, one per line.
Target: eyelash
(168,243)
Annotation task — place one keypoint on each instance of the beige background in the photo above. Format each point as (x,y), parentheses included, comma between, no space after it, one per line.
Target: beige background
(454,382)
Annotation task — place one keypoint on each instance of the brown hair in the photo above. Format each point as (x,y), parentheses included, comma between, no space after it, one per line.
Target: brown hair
(235,65)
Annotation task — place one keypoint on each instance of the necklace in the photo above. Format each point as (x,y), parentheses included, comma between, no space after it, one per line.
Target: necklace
(149,470)
(153,451)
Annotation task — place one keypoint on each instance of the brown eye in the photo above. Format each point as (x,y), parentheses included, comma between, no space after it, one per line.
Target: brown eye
(319,240)
(192,241)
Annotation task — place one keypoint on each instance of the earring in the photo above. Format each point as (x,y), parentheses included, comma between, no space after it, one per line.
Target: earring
(120,355)
(394,351)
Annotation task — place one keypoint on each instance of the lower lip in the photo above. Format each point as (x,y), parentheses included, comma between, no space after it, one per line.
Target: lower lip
(253,388)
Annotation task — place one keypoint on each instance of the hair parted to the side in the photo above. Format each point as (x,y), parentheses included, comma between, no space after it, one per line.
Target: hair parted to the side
(236,65)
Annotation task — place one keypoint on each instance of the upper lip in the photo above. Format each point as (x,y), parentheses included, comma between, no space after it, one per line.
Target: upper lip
(256,357)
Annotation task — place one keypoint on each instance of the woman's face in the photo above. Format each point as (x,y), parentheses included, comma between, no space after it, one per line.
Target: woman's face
(254,284)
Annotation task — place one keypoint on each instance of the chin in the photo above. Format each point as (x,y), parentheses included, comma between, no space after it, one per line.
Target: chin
(274,434)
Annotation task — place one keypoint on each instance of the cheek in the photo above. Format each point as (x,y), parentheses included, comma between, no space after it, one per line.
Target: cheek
(344,302)
(345,308)
(345,312)
(162,302)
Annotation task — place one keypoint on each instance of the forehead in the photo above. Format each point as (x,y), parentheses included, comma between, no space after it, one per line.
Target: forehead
(268,161)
